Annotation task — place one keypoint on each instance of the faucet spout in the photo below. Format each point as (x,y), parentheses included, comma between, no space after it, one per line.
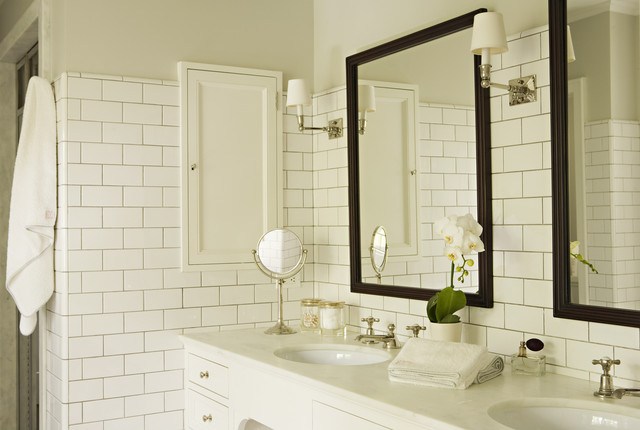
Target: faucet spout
(621,392)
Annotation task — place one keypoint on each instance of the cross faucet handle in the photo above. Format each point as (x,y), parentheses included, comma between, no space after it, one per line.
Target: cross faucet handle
(606,363)
(416,329)
(370,320)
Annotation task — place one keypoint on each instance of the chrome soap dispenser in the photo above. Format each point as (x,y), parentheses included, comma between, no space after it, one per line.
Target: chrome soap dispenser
(533,365)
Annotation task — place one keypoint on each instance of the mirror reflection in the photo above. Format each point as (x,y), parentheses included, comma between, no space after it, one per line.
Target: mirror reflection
(604,153)
(280,251)
(420,121)
(378,251)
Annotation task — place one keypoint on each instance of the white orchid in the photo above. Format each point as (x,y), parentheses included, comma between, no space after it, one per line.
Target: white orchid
(461,236)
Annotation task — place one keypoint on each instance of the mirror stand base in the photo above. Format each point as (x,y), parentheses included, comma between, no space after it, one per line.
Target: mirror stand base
(280,328)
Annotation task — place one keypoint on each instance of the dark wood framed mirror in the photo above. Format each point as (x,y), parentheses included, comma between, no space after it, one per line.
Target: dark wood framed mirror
(359,69)
(605,232)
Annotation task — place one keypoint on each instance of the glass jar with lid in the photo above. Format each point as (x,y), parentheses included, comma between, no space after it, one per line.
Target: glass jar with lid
(332,318)
(309,314)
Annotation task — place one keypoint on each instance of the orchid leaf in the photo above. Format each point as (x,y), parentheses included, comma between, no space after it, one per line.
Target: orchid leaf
(448,302)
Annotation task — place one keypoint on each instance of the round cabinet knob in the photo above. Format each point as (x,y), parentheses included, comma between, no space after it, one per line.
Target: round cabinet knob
(207,418)
(194,166)
(204,374)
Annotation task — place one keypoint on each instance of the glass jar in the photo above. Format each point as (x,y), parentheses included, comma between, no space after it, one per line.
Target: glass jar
(332,318)
(309,315)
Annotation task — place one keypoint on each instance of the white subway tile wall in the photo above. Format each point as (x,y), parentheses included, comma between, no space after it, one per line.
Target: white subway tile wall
(114,359)
(121,300)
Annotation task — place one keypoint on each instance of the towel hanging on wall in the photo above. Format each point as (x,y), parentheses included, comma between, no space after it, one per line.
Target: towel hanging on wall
(32,213)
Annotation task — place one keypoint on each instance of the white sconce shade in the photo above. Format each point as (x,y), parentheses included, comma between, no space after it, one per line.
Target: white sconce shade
(297,94)
(488,35)
(366,98)
(571,55)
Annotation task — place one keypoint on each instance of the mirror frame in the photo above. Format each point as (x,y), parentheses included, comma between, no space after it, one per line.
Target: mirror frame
(562,305)
(484,296)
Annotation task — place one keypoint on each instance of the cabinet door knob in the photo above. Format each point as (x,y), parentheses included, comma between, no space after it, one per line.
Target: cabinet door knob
(193,166)
(207,418)
(204,374)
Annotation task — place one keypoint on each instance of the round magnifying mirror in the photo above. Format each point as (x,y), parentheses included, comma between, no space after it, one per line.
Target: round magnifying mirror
(280,251)
(379,249)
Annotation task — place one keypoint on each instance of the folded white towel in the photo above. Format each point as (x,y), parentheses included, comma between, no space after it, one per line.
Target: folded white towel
(438,364)
(492,367)
(32,213)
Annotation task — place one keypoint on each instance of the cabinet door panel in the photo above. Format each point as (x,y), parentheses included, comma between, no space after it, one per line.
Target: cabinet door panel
(231,149)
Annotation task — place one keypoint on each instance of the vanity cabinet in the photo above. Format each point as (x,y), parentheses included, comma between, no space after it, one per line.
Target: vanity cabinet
(223,389)
(207,392)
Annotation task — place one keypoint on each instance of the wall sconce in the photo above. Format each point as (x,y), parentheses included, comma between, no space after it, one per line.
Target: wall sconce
(489,38)
(366,103)
(299,96)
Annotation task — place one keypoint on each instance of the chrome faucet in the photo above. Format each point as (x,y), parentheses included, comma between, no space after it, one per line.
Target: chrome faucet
(606,380)
(621,392)
(389,340)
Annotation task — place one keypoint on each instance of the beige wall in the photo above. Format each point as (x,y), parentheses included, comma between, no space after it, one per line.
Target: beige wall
(10,12)
(146,38)
(624,60)
(343,28)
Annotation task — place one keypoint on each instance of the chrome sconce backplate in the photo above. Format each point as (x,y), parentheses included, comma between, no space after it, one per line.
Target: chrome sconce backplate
(522,90)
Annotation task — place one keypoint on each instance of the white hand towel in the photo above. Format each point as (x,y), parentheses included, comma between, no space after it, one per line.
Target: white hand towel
(438,364)
(32,213)
(492,367)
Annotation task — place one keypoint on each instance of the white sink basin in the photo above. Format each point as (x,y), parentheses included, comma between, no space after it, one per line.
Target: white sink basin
(340,355)
(564,414)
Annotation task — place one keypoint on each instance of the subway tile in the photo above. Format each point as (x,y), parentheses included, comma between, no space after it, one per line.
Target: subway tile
(523,157)
(170,156)
(102,281)
(505,342)
(143,321)
(143,279)
(122,133)
(84,174)
(80,391)
(162,340)
(123,301)
(627,337)
(506,133)
(119,344)
(522,211)
(162,299)
(254,313)
(160,135)
(175,278)
(88,346)
(565,328)
(95,110)
(161,176)
(524,318)
(492,317)
(100,410)
(101,238)
(507,185)
(523,265)
(507,237)
(238,294)
(538,293)
(130,423)
(536,183)
(140,155)
(121,386)
(79,261)
(102,324)
(102,367)
(122,91)
(219,315)
(100,153)
(536,128)
(122,175)
(163,381)
(144,404)
(144,362)
(122,217)
(161,217)
(79,88)
(161,95)
(161,258)
(143,238)
(537,238)
(508,290)
(125,259)
(143,196)
(134,113)
(182,318)
(580,354)
(164,421)
(86,303)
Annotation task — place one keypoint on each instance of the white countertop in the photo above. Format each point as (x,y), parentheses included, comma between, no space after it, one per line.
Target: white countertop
(369,385)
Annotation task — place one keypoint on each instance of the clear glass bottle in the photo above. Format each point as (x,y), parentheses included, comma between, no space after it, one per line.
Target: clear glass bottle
(522,364)
(310,315)
(332,318)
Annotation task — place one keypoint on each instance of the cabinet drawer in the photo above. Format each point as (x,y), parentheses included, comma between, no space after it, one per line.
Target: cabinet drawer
(208,374)
(205,414)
